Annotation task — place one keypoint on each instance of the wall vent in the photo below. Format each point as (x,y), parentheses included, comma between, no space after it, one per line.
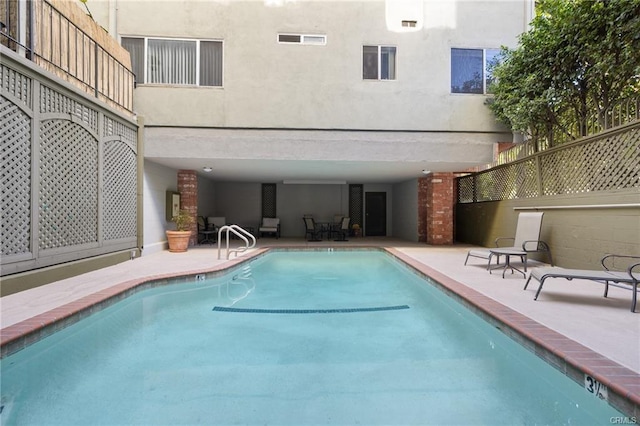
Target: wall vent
(316,39)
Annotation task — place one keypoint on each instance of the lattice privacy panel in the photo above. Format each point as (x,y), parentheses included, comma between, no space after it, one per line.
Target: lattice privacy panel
(68,197)
(120,183)
(52,101)
(269,199)
(607,162)
(85,181)
(356,203)
(15,183)
(126,134)
(17,85)
(526,180)
(466,191)
(515,180)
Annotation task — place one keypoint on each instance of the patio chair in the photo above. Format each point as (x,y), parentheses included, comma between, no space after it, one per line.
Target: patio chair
(270,225)
(344,229)
(334,227)
(311,229)
(208,235)
(216,222)
(610,275)
(527,240)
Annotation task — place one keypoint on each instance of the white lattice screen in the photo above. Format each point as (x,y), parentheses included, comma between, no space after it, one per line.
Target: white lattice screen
(15,226)
(75,178)
(68,196)
(119,194)
(606,162)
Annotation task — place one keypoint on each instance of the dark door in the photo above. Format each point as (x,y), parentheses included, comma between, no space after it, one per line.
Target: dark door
(375,214)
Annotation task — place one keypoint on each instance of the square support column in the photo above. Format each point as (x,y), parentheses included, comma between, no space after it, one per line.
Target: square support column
(188,189)
(436,207)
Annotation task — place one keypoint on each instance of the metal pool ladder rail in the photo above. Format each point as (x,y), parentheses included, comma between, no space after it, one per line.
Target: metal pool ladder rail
(238,232)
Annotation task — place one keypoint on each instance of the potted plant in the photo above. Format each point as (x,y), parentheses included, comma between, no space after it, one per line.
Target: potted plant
(356,230)
(178,239)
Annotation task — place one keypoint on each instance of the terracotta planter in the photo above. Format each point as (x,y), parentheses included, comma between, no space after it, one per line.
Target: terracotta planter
(178,240)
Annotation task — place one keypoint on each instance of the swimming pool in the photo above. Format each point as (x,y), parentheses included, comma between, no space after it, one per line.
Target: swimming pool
(293,338)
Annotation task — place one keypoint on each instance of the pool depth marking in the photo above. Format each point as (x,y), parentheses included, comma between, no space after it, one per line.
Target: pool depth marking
(309,311)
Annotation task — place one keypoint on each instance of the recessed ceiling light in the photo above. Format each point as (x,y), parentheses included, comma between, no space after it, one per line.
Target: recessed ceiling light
(207,169)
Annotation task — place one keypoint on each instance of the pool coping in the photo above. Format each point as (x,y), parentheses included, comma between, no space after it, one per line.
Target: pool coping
(573,359)
(24,333)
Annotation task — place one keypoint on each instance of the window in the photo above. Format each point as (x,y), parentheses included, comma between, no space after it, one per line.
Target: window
(302,39)
(175,62)
(135,46)
(378,62)
(469,69)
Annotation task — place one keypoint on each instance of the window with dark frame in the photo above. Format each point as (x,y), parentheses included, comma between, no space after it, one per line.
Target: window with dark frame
(471,70)
(175,62)
(378,62)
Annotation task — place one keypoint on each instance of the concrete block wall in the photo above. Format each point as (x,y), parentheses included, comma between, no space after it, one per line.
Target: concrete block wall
(579,228)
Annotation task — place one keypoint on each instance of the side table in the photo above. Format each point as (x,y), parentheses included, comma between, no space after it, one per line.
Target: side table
(507,253)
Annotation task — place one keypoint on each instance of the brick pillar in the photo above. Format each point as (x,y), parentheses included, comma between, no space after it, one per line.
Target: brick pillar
(436,203)
(188,189)
(424,189)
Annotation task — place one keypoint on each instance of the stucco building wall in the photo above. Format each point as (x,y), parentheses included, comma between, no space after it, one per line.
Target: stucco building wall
(309,104)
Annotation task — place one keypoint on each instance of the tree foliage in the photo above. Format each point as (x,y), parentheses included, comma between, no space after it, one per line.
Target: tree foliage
(579,58)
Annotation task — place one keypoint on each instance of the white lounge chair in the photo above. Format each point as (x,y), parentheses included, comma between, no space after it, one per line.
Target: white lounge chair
(270,225)
(624,279)
(527,240)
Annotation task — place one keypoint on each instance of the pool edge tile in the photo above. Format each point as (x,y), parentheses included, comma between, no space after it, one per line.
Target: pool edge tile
(551,346)
(20,335)
(570,357)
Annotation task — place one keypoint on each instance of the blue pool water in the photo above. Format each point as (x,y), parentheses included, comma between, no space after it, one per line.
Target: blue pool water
(295,338)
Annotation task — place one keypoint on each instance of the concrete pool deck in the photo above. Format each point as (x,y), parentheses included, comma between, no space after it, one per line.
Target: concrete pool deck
(574,314)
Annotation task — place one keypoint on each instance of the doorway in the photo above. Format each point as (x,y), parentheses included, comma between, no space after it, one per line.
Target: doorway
(375,214)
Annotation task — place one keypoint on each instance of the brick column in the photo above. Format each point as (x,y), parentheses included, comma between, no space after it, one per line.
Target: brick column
(188,189)
(436,203)
(424,189)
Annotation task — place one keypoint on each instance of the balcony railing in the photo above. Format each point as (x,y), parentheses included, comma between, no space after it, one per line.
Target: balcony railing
(38,31)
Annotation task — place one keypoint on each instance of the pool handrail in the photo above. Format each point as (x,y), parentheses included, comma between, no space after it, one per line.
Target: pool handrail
(240,233)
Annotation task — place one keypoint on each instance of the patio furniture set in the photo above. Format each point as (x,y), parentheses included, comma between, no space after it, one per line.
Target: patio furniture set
(315,230)
(618,270)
